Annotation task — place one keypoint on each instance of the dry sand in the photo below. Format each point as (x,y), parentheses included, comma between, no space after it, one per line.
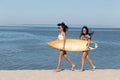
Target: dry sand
(99,74)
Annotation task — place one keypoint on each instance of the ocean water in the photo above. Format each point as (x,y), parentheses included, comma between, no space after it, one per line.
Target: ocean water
(25,47)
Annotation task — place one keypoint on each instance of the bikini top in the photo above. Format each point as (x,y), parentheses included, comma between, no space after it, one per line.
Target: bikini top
(85,37)
(60,36)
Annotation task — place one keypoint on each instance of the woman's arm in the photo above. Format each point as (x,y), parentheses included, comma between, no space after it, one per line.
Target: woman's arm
(64,40)
(89,41)
(88,38)
(81,37)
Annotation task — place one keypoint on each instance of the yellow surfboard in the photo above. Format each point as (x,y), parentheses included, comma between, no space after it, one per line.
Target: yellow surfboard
(76,45)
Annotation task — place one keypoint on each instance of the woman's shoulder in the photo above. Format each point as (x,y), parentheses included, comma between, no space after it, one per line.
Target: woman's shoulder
(87,35)
(63,33)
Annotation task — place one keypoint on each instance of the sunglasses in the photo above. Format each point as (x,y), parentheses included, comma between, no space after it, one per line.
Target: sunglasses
(58,27)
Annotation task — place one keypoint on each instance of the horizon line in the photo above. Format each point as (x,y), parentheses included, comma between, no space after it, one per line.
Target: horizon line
(68,24)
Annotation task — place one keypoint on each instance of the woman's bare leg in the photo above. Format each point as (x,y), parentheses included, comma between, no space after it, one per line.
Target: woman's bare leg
(59,61)
(90,62)
(85,53)
(69,60)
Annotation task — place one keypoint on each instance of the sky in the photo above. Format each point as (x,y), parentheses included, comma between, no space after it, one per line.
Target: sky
(74,12)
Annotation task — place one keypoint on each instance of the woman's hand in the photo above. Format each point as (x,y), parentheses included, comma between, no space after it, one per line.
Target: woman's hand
(63,48)
(87,47)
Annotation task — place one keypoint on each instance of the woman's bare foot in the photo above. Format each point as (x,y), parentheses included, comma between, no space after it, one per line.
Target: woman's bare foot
(57,70)
(73,66)
(82,69)
(93,68)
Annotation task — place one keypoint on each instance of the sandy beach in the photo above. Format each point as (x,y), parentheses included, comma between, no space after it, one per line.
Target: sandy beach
(99,74)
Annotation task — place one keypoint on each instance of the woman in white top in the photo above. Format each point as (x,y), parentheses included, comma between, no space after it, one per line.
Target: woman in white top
(62,36)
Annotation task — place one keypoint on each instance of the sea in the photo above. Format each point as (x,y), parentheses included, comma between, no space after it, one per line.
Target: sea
(25,47)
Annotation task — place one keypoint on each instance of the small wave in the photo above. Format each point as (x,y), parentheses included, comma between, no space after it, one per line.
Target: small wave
(12,36)
(109,43)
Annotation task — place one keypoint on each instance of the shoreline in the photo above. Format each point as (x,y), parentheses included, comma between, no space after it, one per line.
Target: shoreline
(98,74)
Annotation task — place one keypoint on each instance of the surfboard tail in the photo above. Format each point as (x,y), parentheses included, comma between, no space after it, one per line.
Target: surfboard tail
(93,47)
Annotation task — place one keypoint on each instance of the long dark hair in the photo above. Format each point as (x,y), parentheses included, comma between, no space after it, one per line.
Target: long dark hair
(87,31)
(64,26)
